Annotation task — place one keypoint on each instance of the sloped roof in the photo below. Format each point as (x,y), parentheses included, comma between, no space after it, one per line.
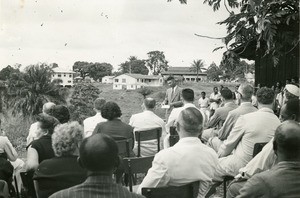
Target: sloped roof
(181,71)
(141,76)
(61,70)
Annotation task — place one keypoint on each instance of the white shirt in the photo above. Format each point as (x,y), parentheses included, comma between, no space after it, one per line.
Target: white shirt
(214,96)
(175,113)
(32,135)
(187,161)
(203,103)
(89,124)
(143,121)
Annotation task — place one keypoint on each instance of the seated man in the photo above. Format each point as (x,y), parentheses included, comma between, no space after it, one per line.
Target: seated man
(98,154)
(90,123)
(220,115)
(245,91)
(266,159)
(283,179)
(187,161)
(147,120)
(249,129)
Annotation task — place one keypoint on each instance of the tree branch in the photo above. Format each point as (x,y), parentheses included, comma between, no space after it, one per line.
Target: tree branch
(208,36)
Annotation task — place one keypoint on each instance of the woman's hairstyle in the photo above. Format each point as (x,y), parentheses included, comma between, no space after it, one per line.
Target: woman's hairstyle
(61,113)
(67,138)
(110,111)
(47,122)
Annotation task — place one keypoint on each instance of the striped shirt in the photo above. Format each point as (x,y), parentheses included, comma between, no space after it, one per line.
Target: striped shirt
(96,186)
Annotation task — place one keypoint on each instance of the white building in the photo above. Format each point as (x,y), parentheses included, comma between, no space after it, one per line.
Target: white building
(136,81)
(65,77)
(186,73)
(107,79)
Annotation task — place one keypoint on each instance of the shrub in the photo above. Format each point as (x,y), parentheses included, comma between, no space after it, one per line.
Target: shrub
(145,91)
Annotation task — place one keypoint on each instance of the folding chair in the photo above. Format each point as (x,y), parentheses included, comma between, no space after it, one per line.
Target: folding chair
(124,147)
(28,183)
(134,165)
(145,135)
(186,191)
(174,137)
(258,147)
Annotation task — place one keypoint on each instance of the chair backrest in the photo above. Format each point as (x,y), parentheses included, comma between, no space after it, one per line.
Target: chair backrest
(134,165)
(4,191)
(28,183)
(258,147)
(150,134)
(173,130)
(124,147)
(174,137)
(186,191)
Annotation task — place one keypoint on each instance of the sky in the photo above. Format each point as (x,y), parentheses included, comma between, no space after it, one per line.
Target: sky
(63,32)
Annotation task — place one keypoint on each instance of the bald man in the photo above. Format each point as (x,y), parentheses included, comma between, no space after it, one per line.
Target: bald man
(283,180)
(98,154)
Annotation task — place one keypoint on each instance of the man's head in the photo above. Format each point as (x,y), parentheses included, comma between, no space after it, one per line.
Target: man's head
(149,104)
(61,113)
(203,94)
(265,97)
(287,141)
(99,153)
(98,104)
(47,107)
(188,95)
(216,90)
(189,123)
(246,91)
(226,94)
(171,81)
(290,110)
(291,91)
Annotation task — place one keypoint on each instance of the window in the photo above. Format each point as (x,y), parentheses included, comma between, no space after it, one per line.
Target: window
(70,76)
(64,75)
(149,80)
(116,85)
(53,75)
(69,81)
(142,80)
(124,80)
(188,79)
(58,75)
(138,80)
(116,80)
(131,86)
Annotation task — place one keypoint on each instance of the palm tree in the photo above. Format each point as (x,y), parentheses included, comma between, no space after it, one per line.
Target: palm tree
(28,91)
(198,66)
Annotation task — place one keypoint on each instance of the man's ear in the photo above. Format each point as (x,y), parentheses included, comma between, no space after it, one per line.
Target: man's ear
(79,162)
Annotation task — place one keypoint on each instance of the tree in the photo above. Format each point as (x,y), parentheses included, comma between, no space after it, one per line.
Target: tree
(133,65)
(98,70)
(82,68)
(6,72)
(145,91)
(28,91)
(198,66)
(213,72)
(157,62)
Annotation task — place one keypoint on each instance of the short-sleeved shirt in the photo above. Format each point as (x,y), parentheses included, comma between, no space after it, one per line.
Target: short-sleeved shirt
(214,96)
(43,146)
(203,103)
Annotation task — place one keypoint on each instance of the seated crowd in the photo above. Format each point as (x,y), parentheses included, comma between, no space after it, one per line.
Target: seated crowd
(217,137)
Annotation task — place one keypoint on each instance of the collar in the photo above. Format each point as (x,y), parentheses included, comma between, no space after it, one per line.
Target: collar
(246,104)
(229,104)
(289,164)
(189,105)
(189,139)
(96,178)
(174,88)
(265,109)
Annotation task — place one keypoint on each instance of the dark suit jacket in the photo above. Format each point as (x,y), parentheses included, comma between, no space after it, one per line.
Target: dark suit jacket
(174,99)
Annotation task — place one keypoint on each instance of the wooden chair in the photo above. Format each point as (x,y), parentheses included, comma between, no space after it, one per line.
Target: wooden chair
(125,147)
(145,135)
(134,165)
(174,137)
(28,183)
(186,191)
(257,148)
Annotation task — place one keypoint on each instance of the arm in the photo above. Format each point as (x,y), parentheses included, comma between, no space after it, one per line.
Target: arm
(32,159)
(261,162)
(171,120)
(227,126)
(255,187)
(10,151)
(213,121)
(157,175)
(233,139)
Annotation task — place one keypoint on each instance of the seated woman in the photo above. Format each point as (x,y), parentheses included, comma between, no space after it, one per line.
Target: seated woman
(41,149)
(62,171)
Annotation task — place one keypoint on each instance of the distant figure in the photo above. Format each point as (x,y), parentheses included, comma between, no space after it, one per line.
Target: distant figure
(283,180)
(173,95)
(32,135)
(98,154)
(290,91)
(237,95)
(187,161)
(90,123)
(203,103)
(62,171)
(215,100)
(147,120)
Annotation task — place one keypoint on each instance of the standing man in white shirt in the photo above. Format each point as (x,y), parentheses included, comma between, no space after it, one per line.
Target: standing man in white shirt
(147,120)
(89,124)
(187,161)
(215,100)
(203,103)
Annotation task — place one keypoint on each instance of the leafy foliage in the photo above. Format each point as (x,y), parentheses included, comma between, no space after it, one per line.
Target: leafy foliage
(28,91)
(157,62)
(145,91)
(6,72)
(198,66)
(213,72)
(93,70)
(133,65)
(81,102)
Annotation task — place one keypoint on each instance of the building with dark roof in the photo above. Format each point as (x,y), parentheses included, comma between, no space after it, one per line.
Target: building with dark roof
(187,73)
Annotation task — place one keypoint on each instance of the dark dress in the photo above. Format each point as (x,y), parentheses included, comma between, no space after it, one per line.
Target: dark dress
(58,173)
(43,146)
